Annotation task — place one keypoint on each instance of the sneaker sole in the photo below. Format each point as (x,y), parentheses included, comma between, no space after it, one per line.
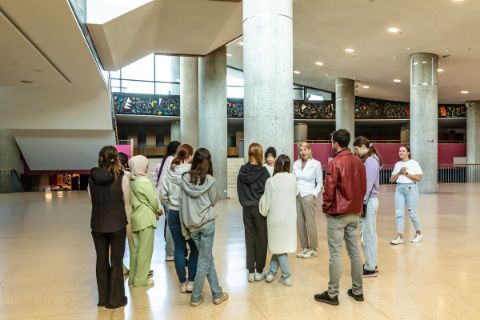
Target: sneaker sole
(370,275)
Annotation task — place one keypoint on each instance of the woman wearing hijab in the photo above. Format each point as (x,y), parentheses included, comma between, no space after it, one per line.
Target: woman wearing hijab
(145,213)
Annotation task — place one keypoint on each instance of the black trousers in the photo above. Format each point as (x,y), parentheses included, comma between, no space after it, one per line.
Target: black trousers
(256,240)
(110,248)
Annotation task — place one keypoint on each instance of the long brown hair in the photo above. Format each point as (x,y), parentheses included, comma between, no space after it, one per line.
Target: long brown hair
(282,164)
(201,166)
(362,141)
(183,153)
(108,160)
(255,152)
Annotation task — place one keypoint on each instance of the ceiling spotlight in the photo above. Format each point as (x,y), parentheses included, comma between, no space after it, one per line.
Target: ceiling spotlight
(229,55)
(241,43)
(397,80)
(439,70)
(393,30)
(365,87)
(296,72)
(464,92)
(408,48)
(26,81)
(349,50)
(318,63)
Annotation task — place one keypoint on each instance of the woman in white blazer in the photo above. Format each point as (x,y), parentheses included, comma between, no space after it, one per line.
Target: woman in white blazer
(278,204)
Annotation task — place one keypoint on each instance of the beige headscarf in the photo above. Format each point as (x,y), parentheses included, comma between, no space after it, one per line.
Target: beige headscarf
(138,167)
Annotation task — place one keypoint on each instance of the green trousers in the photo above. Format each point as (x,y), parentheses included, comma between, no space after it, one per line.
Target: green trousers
(141,256)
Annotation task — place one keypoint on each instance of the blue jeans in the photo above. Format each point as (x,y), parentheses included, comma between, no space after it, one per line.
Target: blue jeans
(282,261)
(369,233)
(406,193)
(203,238)
(180,252)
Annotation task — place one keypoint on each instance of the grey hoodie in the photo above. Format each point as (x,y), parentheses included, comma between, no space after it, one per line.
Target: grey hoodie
(170,191)
(196,203)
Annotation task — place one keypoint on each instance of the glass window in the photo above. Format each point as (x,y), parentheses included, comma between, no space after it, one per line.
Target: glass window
(139,70)
(167,88)
(235,92)
(115,74)
(167,68)
(234,77)
(297,93)
(318,95)
(137,87)
(115,83)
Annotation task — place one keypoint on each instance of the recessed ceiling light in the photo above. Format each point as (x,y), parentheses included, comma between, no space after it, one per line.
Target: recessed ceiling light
(318,63)
(349,50)
(296,72)
(26,81)
(229,55)
(408,48)
(365,87)
(464,92)
(440,70)
(397,80)
(240,43)
(393,30)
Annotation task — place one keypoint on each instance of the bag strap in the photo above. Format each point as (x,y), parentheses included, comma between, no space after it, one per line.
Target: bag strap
(141,201)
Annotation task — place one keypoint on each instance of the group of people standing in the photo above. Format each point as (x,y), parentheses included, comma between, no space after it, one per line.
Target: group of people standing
(278,199)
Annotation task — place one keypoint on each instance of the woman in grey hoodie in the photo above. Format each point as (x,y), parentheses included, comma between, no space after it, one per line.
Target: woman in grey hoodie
(198,196)
(170,197)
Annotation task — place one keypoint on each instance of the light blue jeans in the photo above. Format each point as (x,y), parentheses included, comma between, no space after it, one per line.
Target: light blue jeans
(369,234)
(406,194)
(203,238)
(282,261)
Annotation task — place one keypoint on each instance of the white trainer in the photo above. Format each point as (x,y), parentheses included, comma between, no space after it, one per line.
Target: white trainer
(259,276)
(269,277)
(251,277)
(310,254)
(396,241)
(418,238)
(189,286)
(301,254)
(183,287)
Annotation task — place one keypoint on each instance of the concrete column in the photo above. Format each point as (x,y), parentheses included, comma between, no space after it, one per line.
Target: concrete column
(213,113)
(473,140)
(9,160)
(189,101)
(424,117)
(268,74)
(175,131)
(300,132)
(405,134)
(345,106)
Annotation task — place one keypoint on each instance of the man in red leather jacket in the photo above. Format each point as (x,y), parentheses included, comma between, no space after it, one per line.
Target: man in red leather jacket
(345,186)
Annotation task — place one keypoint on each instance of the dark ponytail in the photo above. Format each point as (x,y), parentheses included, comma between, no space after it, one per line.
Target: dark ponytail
(201,166)
(362,141)
(183,153)
(108,160)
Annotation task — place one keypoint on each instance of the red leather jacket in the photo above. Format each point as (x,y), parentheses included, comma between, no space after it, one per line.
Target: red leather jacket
(345,184)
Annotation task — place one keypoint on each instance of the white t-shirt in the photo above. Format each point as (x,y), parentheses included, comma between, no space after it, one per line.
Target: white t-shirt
(412,167)
(269,168)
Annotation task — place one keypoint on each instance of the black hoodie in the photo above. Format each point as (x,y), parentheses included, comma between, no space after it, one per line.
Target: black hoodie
(108,209)
(251,184)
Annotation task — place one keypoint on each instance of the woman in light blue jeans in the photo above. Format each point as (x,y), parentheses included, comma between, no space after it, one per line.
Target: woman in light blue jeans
(367,152)
(406,174)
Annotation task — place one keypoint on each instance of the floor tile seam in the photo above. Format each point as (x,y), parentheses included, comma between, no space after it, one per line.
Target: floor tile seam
(9,274)
(258,308)
(377,309)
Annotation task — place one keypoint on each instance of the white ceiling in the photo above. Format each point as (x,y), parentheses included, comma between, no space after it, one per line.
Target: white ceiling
(324,29)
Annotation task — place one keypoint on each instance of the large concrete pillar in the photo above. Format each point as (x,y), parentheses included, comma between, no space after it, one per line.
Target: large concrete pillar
(405,134)
(300,132)
(213,113)
(424,117)
(268,74)
(189,100)
(473,140)
(9,160)
(345,106)
(175,131)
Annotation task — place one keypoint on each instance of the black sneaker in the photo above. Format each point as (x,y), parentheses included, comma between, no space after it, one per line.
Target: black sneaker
(370,273)
(325,298)
(376,267)
(357,297)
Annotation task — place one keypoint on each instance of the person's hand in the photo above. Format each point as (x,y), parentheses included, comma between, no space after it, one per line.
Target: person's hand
(403,171)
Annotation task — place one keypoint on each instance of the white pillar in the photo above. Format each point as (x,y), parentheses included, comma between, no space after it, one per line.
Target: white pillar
(189,101)
(213,113)
(268,74)
(300,132)
(345,106)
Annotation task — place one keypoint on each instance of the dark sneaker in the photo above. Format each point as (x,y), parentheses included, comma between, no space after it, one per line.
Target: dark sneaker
(370,273)
(357,297)
(325,298)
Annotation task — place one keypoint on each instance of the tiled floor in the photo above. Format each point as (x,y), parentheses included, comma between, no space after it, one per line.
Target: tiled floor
(47,267)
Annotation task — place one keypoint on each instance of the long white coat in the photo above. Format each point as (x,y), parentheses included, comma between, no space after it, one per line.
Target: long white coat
(278,204)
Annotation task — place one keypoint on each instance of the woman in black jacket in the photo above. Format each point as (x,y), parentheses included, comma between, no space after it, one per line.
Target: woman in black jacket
(108,189)
(250,187)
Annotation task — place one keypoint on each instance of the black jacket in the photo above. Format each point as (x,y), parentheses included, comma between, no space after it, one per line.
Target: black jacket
(251,184)
(108,209)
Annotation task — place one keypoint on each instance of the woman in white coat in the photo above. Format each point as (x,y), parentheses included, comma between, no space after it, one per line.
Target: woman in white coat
(278,204)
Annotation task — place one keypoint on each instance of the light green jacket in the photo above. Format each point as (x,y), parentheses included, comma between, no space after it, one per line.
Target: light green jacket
(144,204)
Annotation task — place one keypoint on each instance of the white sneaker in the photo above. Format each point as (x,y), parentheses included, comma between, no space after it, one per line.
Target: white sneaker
(285,281)
(169,258)
(302,253)
(418,238)
(251,277)
(183,287)
(259,276)
(189,286)
(269,277)
(310,254)
(396,241)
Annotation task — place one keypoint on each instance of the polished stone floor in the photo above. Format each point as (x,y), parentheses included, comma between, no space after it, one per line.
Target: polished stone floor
(47,267)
